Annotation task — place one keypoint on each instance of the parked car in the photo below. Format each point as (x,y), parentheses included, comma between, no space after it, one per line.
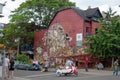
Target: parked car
(34,67)
(22,66)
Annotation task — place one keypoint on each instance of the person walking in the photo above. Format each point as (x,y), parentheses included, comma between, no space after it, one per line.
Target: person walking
(116,64)
(11,68)
(6,64)
(76,63)
(86,64)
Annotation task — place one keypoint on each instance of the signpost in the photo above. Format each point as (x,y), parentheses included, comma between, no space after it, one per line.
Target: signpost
(79,39)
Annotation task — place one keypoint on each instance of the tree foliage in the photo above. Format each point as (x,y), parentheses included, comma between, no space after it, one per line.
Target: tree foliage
(106,43)
(38,12)
(31,15)
(23,58)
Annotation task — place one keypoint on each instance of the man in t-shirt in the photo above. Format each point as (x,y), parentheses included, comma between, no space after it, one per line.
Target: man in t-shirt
(116,64)
(6,65)
(69,62)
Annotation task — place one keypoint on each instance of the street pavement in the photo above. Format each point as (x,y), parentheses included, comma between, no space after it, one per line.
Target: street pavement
(93,72)
(96,72)
(15,78)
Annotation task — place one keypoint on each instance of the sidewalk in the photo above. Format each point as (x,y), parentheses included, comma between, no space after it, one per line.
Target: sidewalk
(96,72)
(15,78)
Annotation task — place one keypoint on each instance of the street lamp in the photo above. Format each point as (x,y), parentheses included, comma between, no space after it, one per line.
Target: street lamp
(1,7)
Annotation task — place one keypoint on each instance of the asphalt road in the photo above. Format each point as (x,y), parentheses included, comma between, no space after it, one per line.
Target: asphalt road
(93,75)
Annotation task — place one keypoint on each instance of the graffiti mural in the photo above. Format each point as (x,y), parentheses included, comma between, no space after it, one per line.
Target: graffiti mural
(55,39)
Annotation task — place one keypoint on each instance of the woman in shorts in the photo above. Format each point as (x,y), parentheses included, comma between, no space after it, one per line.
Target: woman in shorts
(11,68)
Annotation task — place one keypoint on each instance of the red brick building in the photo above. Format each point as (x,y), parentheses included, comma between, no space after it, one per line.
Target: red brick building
(67,31)
(76,21)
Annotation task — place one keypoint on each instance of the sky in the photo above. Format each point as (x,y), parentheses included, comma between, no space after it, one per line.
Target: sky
(103,5)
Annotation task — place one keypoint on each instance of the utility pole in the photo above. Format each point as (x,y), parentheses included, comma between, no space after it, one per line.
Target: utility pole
(3,64)
(1,8)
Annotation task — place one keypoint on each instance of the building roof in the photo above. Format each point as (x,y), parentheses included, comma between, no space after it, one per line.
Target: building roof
(91,14)
(88,15)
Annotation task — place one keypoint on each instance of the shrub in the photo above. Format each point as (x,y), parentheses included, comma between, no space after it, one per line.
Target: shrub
(22,58)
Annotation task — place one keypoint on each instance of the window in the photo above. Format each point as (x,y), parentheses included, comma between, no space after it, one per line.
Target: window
(87,31)
(96,30)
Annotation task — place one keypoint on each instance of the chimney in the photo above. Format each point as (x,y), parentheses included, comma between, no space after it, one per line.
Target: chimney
(89,7)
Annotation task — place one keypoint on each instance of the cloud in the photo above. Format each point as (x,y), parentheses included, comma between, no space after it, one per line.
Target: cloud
(106,8)
(10,6)
(102,4)
(82,4)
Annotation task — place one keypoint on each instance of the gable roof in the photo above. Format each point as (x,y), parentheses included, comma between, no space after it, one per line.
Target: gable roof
(80,13)
(87,15)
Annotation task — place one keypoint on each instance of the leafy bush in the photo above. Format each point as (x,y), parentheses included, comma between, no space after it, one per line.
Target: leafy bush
(23,58)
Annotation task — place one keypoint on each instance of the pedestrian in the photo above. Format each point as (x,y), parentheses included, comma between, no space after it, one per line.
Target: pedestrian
(46,65)
(86,64)
(76,63)
(116,64)
(11,68)
(100,66)
(6,64)
(69,62)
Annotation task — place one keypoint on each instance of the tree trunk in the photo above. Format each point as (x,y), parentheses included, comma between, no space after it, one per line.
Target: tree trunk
(112,62)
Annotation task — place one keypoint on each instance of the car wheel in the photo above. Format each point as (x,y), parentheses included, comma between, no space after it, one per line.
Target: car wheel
(58,74)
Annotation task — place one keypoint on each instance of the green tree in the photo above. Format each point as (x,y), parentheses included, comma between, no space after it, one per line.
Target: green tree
(31,15)
(8,37)
(106,43)
(38,12)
